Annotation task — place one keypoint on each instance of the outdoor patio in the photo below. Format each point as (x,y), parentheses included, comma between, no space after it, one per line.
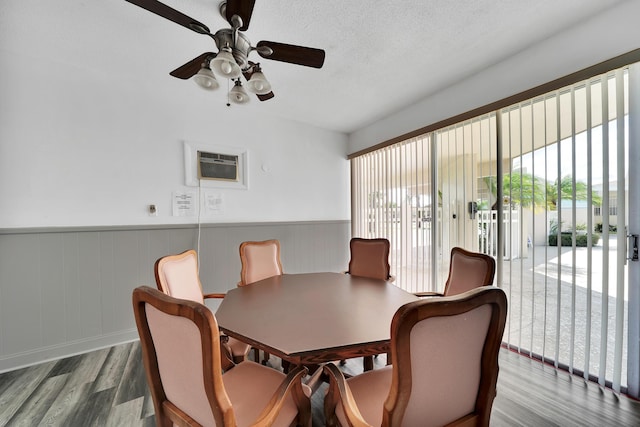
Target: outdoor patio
(532,286)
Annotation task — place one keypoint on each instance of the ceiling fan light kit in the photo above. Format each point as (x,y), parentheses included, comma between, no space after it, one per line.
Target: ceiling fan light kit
(206,79)
(237,94)
(258,83)
(225,65)
(232,60)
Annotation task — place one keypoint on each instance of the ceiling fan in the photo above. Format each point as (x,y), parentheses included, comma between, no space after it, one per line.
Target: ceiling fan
(232,59)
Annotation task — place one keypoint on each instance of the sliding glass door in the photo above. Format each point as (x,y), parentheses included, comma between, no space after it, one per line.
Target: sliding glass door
(542,186)
(566,178)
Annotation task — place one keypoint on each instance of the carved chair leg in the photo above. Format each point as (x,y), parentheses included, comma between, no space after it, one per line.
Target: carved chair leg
(367,361)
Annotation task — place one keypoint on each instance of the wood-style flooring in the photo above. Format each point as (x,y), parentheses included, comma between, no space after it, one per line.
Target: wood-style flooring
(107,388)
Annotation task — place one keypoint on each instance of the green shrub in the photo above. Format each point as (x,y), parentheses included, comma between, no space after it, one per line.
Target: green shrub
(612,228)
(566,240)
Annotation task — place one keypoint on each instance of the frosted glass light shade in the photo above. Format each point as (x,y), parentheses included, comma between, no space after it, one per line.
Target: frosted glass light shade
(225,65)
(259,84)
(206,79)
(238,95)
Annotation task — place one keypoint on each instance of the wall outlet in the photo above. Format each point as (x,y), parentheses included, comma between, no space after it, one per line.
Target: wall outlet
(153,210)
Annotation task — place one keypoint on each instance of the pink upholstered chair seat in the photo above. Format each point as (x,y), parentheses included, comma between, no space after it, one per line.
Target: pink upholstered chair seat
(249,401)
(370,390)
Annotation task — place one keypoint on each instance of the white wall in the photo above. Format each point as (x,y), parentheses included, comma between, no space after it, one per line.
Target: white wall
(608,35)
(82,147)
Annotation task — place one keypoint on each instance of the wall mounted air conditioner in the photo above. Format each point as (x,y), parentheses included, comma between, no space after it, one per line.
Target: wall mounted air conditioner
(217,166)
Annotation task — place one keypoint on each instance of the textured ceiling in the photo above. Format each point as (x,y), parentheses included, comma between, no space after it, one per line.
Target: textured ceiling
(380,56)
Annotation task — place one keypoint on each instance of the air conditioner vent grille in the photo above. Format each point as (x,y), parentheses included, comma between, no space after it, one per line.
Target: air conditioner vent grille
(217,166)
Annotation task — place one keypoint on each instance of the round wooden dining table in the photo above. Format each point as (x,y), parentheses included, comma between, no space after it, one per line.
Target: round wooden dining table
(313,318)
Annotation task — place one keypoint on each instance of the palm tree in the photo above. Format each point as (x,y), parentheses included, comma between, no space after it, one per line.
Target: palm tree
(525,189)
(536,193)
(566,192)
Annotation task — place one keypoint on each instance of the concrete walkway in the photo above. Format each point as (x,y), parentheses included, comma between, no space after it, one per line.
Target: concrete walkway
(549,292)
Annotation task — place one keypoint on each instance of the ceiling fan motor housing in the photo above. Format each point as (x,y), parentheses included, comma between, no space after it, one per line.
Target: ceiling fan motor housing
(240,49)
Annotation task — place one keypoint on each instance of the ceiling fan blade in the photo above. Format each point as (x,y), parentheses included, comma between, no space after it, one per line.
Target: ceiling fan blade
(192,67)
(266,96)
(242,8)
(300,55)
(165,11)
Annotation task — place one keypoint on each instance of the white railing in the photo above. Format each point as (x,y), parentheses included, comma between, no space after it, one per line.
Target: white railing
(488,233)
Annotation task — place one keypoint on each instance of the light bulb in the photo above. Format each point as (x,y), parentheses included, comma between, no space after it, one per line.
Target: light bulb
(224,64)
(226,67)
(237,94)
(258,83)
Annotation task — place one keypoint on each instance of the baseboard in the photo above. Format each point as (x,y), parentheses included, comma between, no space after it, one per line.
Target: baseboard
(45,354)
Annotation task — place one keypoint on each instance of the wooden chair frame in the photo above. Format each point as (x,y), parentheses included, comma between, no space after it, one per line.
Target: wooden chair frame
(485,280)
(164,287)
(400,392)
(243,282)
(378,243)
(167,413)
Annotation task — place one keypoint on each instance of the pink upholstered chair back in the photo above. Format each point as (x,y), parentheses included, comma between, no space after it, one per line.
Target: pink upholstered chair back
(468,270)
(177,276)
(184,379)
(260,260)
(369,258)
(445,358)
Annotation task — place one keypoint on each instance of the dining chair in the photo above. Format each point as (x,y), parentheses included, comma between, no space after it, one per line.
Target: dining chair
(182,361)
(444,369)
(259,260)
(178,276)
(369,258)
(467,270)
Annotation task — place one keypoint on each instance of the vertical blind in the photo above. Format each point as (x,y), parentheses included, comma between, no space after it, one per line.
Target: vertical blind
(554,217)
(569,148)
(391,196)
